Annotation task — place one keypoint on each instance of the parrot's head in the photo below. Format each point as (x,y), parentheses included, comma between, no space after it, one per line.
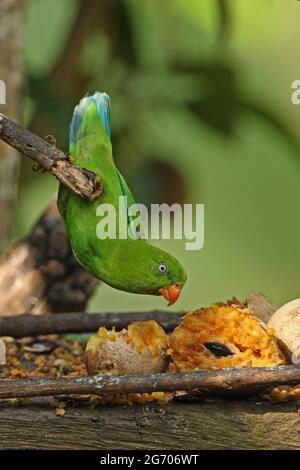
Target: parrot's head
(149,270)
(170,276)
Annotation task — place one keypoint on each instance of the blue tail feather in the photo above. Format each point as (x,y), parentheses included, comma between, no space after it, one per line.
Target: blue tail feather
(102,103)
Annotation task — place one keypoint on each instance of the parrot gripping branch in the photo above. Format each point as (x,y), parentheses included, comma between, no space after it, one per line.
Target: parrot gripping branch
(221,382)
(82,182)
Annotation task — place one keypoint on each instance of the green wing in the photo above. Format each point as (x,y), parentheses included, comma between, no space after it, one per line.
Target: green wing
(62,201)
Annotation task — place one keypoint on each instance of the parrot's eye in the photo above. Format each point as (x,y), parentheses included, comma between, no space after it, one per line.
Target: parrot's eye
(162,268)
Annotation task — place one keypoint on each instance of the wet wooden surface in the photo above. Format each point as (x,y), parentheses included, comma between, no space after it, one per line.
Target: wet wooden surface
(220,424)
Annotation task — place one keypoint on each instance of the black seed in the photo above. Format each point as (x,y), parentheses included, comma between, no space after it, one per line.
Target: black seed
(218,349)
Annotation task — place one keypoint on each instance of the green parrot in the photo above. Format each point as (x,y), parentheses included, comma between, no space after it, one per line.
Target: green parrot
(129,264)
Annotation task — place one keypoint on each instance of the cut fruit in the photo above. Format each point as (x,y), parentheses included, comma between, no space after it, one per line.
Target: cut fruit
(140,349)
(222,336)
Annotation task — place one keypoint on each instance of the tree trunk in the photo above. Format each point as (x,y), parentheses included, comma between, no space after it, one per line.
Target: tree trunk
(12,21)
(39,274)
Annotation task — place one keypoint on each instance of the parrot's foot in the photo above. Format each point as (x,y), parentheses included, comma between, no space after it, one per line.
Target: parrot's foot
(36,168)
(51,140)
(70,158)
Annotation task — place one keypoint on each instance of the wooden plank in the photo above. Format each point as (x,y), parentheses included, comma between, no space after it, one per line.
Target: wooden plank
(220,424)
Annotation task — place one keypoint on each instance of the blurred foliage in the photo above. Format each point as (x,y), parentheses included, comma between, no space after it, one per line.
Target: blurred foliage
(201,112)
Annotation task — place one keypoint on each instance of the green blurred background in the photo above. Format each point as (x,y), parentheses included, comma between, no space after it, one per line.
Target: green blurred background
(201,112)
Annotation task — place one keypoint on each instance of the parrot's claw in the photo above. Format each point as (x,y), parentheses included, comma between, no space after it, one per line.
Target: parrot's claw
(36,168)
(51,140)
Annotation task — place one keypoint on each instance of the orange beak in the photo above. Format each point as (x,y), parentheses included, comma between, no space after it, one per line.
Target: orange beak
(171,293)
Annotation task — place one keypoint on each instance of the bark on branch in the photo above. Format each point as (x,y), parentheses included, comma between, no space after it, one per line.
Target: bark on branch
(82,182)
(222,382)
(61,323)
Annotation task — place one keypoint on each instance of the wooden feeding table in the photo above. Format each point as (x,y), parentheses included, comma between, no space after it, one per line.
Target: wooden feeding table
(217,424)
(57,412)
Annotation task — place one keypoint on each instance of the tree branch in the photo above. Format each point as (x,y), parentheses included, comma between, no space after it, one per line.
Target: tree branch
(82,182)
(221,382)
(61,323)
(30,325)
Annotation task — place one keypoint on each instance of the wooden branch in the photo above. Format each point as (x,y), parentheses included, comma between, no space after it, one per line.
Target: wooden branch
(261,306)
(82,182)
(30,325)
(61,323)
(221,382)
